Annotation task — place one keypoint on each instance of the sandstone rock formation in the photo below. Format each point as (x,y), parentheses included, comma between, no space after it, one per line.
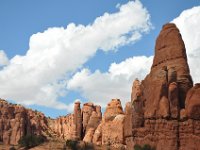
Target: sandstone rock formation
(111,129)
(93,121)
(91,117)
(169,66)
(164,110)
(80,125)
(192,104)
(171,106)
(16,121)
(64,127)
(77,121)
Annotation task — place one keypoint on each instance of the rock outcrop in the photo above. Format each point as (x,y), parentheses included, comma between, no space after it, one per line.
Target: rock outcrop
(164,110)
(16,121)
(170,105)
(64,127)
(111,129)
(77,120)
(192,103)
(170,68)
(93,120)
(80,125)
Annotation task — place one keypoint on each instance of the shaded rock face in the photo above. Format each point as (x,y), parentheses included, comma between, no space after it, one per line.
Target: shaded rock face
(16,121)
(164,110)
(171,105)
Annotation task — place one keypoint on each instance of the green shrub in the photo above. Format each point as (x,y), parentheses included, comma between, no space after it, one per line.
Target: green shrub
(29,141)
(137,147)
(72,144)
(12,148)
(78,145)
(145,147)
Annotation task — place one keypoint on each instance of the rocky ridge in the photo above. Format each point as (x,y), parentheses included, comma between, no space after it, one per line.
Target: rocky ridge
(164,110)
(17,121)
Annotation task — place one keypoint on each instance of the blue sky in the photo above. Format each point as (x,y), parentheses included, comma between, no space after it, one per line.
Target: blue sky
(19,20)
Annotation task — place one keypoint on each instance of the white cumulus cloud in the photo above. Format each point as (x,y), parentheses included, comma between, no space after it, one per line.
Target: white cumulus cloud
(41,75)
(3,58)
(116,83)
(189,25)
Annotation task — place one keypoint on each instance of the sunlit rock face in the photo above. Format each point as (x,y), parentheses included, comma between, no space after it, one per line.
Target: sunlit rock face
(17,121)
(169,77)
(164,110)
(111,129)
(80,125)
(169,102)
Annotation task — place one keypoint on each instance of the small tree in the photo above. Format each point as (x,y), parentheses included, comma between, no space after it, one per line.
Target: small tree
(29,141)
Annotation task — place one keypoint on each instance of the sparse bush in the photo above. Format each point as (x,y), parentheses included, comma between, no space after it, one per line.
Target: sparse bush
(145,147)
(78,145)
(137,147)
(12,148)
(72,144)
(29,141)
(89,146)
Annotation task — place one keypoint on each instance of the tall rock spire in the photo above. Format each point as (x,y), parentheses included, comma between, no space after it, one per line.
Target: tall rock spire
(169,66)
(77,120)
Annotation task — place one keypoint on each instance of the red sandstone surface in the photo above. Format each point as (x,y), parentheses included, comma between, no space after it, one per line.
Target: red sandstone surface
(164,110)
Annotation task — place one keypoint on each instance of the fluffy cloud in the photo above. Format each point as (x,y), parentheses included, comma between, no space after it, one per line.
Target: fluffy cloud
(3,58)
(116,83)
(40,77)
(189,25)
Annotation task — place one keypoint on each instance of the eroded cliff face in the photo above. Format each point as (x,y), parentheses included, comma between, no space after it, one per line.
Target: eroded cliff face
(80,125)
(16,121)
(164,110)
(169,78)
(111,129)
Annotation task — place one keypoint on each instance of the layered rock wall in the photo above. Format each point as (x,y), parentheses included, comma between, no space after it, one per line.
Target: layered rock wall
(164,110)
(80,125)
(111,129)
(170,105)
(16,121)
